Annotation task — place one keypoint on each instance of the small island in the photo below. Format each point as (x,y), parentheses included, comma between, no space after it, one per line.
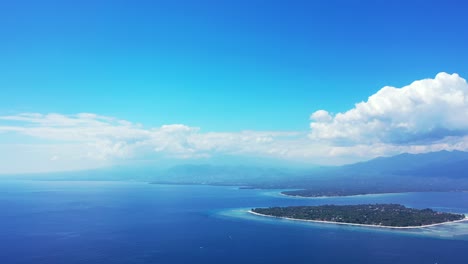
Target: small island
(380,215)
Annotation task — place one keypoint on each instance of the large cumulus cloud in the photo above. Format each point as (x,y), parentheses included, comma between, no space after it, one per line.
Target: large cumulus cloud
(423,112)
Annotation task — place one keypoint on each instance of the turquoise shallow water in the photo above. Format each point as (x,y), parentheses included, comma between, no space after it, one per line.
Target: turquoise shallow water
(123,222)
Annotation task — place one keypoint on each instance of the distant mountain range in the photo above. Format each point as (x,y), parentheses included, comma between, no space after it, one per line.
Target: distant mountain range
(435,171)
(450,164)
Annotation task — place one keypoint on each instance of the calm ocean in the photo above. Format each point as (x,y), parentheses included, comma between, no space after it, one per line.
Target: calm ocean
(127,222)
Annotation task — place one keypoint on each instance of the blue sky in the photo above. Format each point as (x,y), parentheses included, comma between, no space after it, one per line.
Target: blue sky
(219,66)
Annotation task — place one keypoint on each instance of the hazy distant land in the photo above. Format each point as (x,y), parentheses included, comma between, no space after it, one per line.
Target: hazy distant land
(441,171)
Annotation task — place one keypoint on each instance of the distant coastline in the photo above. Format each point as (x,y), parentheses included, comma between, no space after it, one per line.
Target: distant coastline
(354,224)
(285,193)
(304,193)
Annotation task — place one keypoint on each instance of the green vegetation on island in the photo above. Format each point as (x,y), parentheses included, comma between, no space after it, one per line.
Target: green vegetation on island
(390,215)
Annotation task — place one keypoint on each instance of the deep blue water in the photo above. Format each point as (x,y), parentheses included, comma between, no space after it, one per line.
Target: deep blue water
(121,222)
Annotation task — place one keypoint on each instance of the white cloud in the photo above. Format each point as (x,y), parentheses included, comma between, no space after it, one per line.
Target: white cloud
(423,112)
(427,115)
(96,140)
(321,116)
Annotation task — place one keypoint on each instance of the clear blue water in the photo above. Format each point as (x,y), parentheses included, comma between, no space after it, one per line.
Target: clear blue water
(118,222)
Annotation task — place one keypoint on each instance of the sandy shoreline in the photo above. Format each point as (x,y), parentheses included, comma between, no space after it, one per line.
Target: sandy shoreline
(353,224)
